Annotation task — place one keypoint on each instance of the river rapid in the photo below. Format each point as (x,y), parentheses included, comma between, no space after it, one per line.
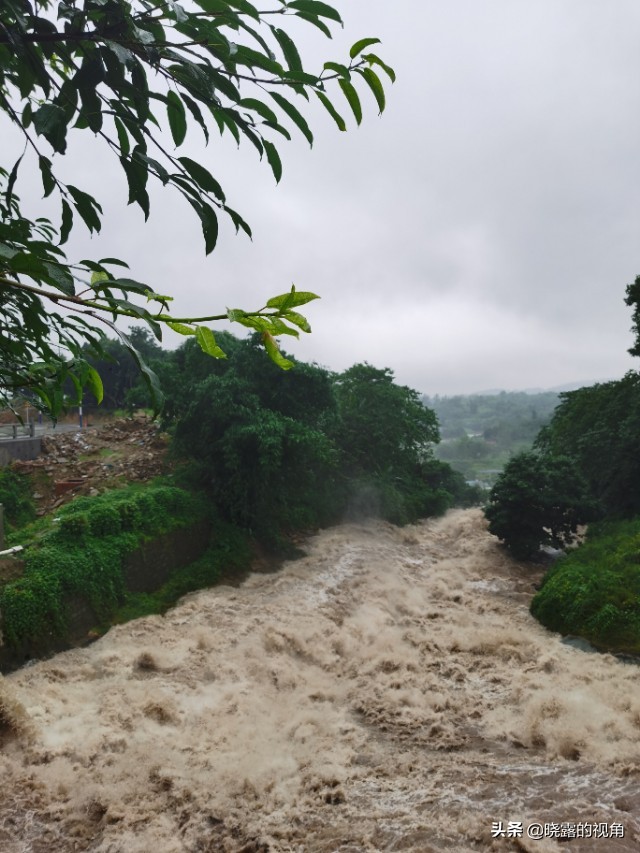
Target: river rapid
(387,692)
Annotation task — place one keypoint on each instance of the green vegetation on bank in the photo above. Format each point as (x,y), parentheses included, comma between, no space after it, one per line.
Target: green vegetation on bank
(15,497)
(594,591)
(81,553)
(585,467)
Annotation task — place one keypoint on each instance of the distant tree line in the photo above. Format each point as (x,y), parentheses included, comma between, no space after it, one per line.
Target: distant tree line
(481,431)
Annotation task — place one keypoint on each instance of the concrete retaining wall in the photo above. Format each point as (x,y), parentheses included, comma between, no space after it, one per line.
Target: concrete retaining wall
(19,448)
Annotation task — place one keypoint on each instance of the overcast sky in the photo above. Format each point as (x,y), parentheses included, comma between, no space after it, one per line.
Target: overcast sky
(478,235)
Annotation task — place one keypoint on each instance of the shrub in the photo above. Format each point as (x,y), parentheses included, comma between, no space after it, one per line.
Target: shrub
(83,555)
(73,526)
(538,500)
(15,497)
(104,520)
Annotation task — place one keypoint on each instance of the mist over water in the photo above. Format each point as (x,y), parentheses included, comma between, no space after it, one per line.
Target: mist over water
(389,691)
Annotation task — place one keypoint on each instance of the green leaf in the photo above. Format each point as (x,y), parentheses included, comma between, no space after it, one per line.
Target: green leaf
(234,315)
(372,59)
(279,128)
(360,45)
(67,222)
(209,222)
(291,299)
(123,54)
(49,121)
(262,109)
(203,178)
(274,353)
(177,117)
(48,181)
(301,77)
(260,324)
(289,49)
(114,261)
(254,59)
(238,221)
(137,175)
(87,207)
(12,179)
(27,116)
(130,285)
(373,81)
(352,97)
(298,320)
(91,110)
(7,252)
(340,70)
(224,118)
(149,377)
(314,7)
(278,327)
(95,384)
(194,109)
(331,110)
(60,278)
(98,277)
(67,99)
(246,7)
(296,117)
(312,19)
(274,159)
(180,328)
(207,342)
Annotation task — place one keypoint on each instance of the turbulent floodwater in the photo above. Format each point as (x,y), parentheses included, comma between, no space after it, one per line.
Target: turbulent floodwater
(389,691)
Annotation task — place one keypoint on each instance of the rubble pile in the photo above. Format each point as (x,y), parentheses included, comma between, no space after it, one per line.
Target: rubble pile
(88,461)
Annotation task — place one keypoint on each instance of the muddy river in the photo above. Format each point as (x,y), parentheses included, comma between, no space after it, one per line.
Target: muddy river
(387,692)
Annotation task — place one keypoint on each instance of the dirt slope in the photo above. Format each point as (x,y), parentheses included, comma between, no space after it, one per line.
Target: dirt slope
(96,458)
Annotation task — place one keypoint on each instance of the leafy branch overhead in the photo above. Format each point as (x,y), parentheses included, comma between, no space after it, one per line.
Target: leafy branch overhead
(140,76)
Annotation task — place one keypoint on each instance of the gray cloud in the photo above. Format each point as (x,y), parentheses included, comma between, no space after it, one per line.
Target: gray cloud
(479,234)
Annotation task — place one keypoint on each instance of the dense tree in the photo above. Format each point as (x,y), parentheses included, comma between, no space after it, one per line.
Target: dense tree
(382,425)
(122,386)
(282,451)
(599,428)
(120,70)
(537,501)
(268,466)
(386,438)
(632,299)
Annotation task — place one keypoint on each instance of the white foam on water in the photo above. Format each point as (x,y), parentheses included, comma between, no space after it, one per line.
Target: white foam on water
(389,691)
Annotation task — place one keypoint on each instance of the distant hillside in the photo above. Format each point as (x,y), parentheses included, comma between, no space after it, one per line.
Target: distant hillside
(481,431)
(556,389)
